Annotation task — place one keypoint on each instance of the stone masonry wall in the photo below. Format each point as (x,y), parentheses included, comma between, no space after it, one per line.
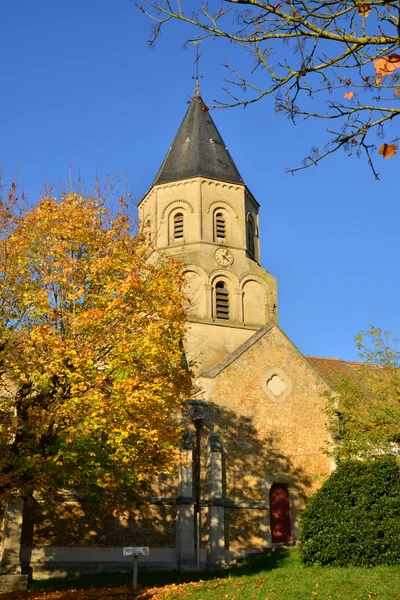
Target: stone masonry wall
(245,529)
(1,519)
(80,524)
(267,439)
(264,436)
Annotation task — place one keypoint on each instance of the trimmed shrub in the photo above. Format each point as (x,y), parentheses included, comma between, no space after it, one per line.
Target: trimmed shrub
(354,519)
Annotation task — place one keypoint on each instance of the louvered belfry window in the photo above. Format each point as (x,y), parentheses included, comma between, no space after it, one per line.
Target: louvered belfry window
(220,225)
(221,301)
(178,226)
(250,236)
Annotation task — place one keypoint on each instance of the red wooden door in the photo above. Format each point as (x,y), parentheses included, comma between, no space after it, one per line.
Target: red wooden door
(280,513)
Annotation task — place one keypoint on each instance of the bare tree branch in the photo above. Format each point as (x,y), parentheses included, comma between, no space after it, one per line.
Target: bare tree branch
(300,51)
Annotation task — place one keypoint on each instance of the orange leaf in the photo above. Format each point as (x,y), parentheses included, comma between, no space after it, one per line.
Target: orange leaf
(364,10)
(394,59)
(388,150)
(349,95)
(385,65)
(397,91)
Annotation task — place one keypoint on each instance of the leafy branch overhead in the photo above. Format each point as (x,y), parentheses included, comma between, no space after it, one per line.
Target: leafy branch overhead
(334,61)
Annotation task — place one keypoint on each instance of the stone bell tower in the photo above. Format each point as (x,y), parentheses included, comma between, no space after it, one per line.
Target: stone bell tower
(200,210)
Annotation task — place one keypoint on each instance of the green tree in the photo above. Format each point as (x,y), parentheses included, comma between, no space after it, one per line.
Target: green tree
(90,359)
(364,411)
(344,52)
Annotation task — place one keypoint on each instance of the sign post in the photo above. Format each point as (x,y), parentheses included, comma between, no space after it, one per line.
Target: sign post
(135,551)
(134,581)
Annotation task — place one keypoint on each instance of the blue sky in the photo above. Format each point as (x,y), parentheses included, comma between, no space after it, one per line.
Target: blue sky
(81,89)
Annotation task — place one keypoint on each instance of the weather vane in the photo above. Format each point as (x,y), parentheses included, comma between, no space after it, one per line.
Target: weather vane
(196,62)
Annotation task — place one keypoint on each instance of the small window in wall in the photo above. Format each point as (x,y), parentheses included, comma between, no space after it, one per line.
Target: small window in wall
(251,231)
(221,301)
(147,230)
(220,225)
(280,514)
(178,225)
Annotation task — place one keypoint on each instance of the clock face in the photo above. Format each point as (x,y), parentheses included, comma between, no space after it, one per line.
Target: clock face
(223,257)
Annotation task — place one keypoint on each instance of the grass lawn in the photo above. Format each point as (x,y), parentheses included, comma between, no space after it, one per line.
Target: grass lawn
(279,576)
(282,577)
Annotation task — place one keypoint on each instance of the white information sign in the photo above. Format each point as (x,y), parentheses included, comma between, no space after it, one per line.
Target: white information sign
(135,551)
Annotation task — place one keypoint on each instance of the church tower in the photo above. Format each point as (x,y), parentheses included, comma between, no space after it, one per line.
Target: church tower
(199,210)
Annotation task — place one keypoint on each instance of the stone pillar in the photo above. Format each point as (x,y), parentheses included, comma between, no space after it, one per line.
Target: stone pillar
(185,526)
(272,307)
(239,305)
(216,508)
(11,578)
(209,300)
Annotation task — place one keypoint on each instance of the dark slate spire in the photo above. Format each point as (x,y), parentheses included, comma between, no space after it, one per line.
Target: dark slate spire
(198,150)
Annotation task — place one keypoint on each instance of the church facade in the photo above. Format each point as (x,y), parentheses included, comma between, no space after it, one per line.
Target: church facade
(255,427)
(258,401)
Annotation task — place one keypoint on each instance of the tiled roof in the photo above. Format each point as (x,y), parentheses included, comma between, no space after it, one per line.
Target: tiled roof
(335,370)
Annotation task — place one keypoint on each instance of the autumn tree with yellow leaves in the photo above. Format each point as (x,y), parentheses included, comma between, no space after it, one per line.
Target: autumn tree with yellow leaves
(335,61)
(91,365)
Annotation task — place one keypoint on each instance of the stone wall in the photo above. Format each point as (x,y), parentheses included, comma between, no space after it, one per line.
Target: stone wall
(263,434)
(269,433)
(80,524)
(245,530)
(1,520)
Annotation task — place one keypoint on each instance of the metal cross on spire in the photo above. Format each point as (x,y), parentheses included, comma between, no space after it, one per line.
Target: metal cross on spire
(196,62)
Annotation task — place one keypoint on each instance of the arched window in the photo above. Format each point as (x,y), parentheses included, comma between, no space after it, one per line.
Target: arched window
(221,301)
(178,225)
(251,231)
(219,225)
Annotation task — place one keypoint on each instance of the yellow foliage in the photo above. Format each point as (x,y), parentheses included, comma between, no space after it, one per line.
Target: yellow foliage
(91,333)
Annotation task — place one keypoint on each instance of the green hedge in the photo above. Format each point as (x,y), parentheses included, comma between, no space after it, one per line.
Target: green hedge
(354,519)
